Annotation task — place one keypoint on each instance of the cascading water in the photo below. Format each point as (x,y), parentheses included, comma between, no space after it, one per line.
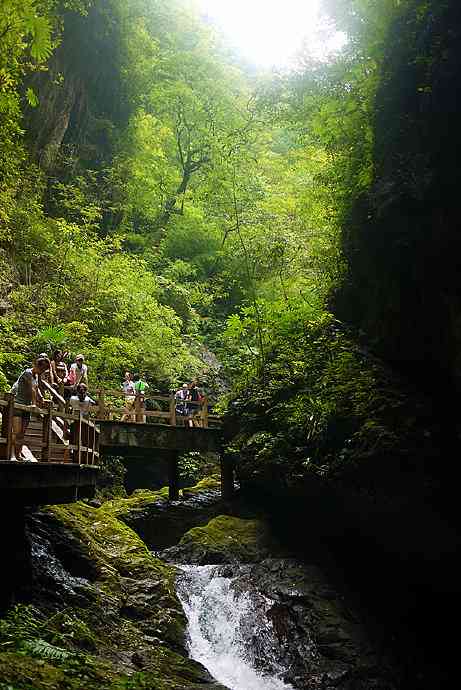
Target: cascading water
(227,631)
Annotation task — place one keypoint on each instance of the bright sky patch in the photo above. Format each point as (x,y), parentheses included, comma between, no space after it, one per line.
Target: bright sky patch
(268,32)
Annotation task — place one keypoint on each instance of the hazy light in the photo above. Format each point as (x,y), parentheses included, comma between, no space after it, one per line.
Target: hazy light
(270,32)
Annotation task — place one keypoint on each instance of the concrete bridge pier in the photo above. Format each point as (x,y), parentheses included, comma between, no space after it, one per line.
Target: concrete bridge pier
(227,477)
(173,475)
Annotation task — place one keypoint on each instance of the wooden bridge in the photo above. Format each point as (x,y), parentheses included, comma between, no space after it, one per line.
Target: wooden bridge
(66,449)
(63,452)
(158,436)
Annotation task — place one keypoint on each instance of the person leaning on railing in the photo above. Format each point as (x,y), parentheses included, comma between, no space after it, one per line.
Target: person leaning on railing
(194,396)
(27,392)
(81,401)
(78,373)
(180,397)
(140,388)
(46,376)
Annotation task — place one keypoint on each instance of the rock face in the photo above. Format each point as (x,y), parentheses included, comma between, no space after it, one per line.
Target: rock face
(314,633)
(320,641)
(103,611)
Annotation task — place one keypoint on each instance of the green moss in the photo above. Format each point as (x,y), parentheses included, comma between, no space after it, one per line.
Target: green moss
(134,620)
(142,498)
(112,545)
(139,499)
(212,483)
(226,539)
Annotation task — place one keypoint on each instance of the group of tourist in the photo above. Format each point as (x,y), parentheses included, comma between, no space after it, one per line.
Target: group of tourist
(188,399)
(134,387)
(30,388)
(71,382)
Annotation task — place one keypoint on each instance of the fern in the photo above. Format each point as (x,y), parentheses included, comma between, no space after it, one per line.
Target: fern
(39,28)
(51,336)
(44,650)
(20,623)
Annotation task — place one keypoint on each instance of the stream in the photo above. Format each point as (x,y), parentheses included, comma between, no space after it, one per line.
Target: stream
(222,622)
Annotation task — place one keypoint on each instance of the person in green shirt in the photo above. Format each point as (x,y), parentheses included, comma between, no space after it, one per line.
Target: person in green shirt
(140,386)
(140,389)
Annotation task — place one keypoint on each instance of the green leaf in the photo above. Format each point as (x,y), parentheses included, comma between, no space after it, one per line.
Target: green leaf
(32,98)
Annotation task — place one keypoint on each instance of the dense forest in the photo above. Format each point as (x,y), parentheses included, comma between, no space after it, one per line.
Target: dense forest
(165,207)
(288,238)
(159,197)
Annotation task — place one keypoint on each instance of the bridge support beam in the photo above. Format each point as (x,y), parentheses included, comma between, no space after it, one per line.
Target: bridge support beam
(227,477)
(173,476)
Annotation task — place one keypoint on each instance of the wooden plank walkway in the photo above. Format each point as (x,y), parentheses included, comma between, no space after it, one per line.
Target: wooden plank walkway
(57,438)
(62,449)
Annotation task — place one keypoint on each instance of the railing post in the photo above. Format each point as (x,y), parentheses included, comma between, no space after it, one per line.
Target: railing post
(7,425)
(46,431)
(173,410)
(61,407)
(101,404)
(77,438)
(204,412)
(139,408)
(96,443)
(93,443)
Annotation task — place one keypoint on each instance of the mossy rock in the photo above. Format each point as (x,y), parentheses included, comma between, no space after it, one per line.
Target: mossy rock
(161,523)
(225,539)
(127,630)
(141,499)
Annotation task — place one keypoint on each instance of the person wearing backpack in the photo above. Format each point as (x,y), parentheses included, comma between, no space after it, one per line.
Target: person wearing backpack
(194,396)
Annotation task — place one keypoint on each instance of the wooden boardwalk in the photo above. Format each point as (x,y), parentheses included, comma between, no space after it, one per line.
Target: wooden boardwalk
(111,405)
(65,449)
(62,449)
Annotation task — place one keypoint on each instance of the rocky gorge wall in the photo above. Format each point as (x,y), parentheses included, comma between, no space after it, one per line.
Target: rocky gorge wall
(402,238)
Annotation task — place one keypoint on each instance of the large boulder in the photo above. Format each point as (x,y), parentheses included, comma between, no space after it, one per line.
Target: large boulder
(225,539)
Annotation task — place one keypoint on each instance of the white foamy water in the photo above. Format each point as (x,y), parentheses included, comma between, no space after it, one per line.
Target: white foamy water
(217,617)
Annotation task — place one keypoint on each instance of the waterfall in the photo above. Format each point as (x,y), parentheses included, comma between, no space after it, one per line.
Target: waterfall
(228,634)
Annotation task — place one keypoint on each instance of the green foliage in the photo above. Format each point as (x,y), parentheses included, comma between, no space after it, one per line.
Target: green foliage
(324,407)
(50,338)
(44,650)
(191,467)
(22,623)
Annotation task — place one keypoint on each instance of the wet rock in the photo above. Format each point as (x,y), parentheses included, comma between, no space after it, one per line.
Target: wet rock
(124,615)
(316,638)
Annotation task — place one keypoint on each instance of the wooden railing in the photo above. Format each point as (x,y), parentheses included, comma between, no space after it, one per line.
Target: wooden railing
(198,413)
(66,436)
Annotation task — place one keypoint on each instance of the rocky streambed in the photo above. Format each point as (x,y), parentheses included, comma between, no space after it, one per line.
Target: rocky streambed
(222,606)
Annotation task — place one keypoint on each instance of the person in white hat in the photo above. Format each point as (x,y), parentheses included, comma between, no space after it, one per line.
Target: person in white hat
(78,372)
